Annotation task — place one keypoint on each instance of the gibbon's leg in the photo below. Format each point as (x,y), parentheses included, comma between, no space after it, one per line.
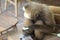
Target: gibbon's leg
(39,35)
(48,17)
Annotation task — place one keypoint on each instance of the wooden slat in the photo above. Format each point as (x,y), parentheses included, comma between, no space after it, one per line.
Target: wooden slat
(6,22)
(1,29)
(11,2)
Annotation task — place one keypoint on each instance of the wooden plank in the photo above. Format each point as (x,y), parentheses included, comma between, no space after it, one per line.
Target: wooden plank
(11,2)
(6,22)
(1,29)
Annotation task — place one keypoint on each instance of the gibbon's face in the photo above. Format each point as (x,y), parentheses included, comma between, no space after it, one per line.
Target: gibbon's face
(26,15)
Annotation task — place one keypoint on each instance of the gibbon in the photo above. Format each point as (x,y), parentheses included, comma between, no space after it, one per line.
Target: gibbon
(38,19)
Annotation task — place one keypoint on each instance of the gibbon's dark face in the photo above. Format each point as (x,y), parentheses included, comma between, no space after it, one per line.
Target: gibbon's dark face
(26,15)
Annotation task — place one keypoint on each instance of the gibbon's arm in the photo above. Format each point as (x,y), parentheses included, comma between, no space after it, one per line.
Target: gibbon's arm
(48,16)
(28,23)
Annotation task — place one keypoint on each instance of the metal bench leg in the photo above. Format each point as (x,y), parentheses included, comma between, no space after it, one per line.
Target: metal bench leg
(16,8)
(6,4)
(15,27)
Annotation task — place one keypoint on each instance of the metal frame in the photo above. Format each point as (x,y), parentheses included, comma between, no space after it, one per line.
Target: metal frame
(14,3)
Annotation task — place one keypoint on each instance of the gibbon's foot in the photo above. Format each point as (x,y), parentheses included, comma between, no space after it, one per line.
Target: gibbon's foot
(30,34)
(25,37)
(37,39)
(28,31)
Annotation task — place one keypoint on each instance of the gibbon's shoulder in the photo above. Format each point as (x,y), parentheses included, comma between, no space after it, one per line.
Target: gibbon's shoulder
(35,4)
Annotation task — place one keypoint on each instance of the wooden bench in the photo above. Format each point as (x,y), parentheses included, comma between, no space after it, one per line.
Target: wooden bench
(6,23)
